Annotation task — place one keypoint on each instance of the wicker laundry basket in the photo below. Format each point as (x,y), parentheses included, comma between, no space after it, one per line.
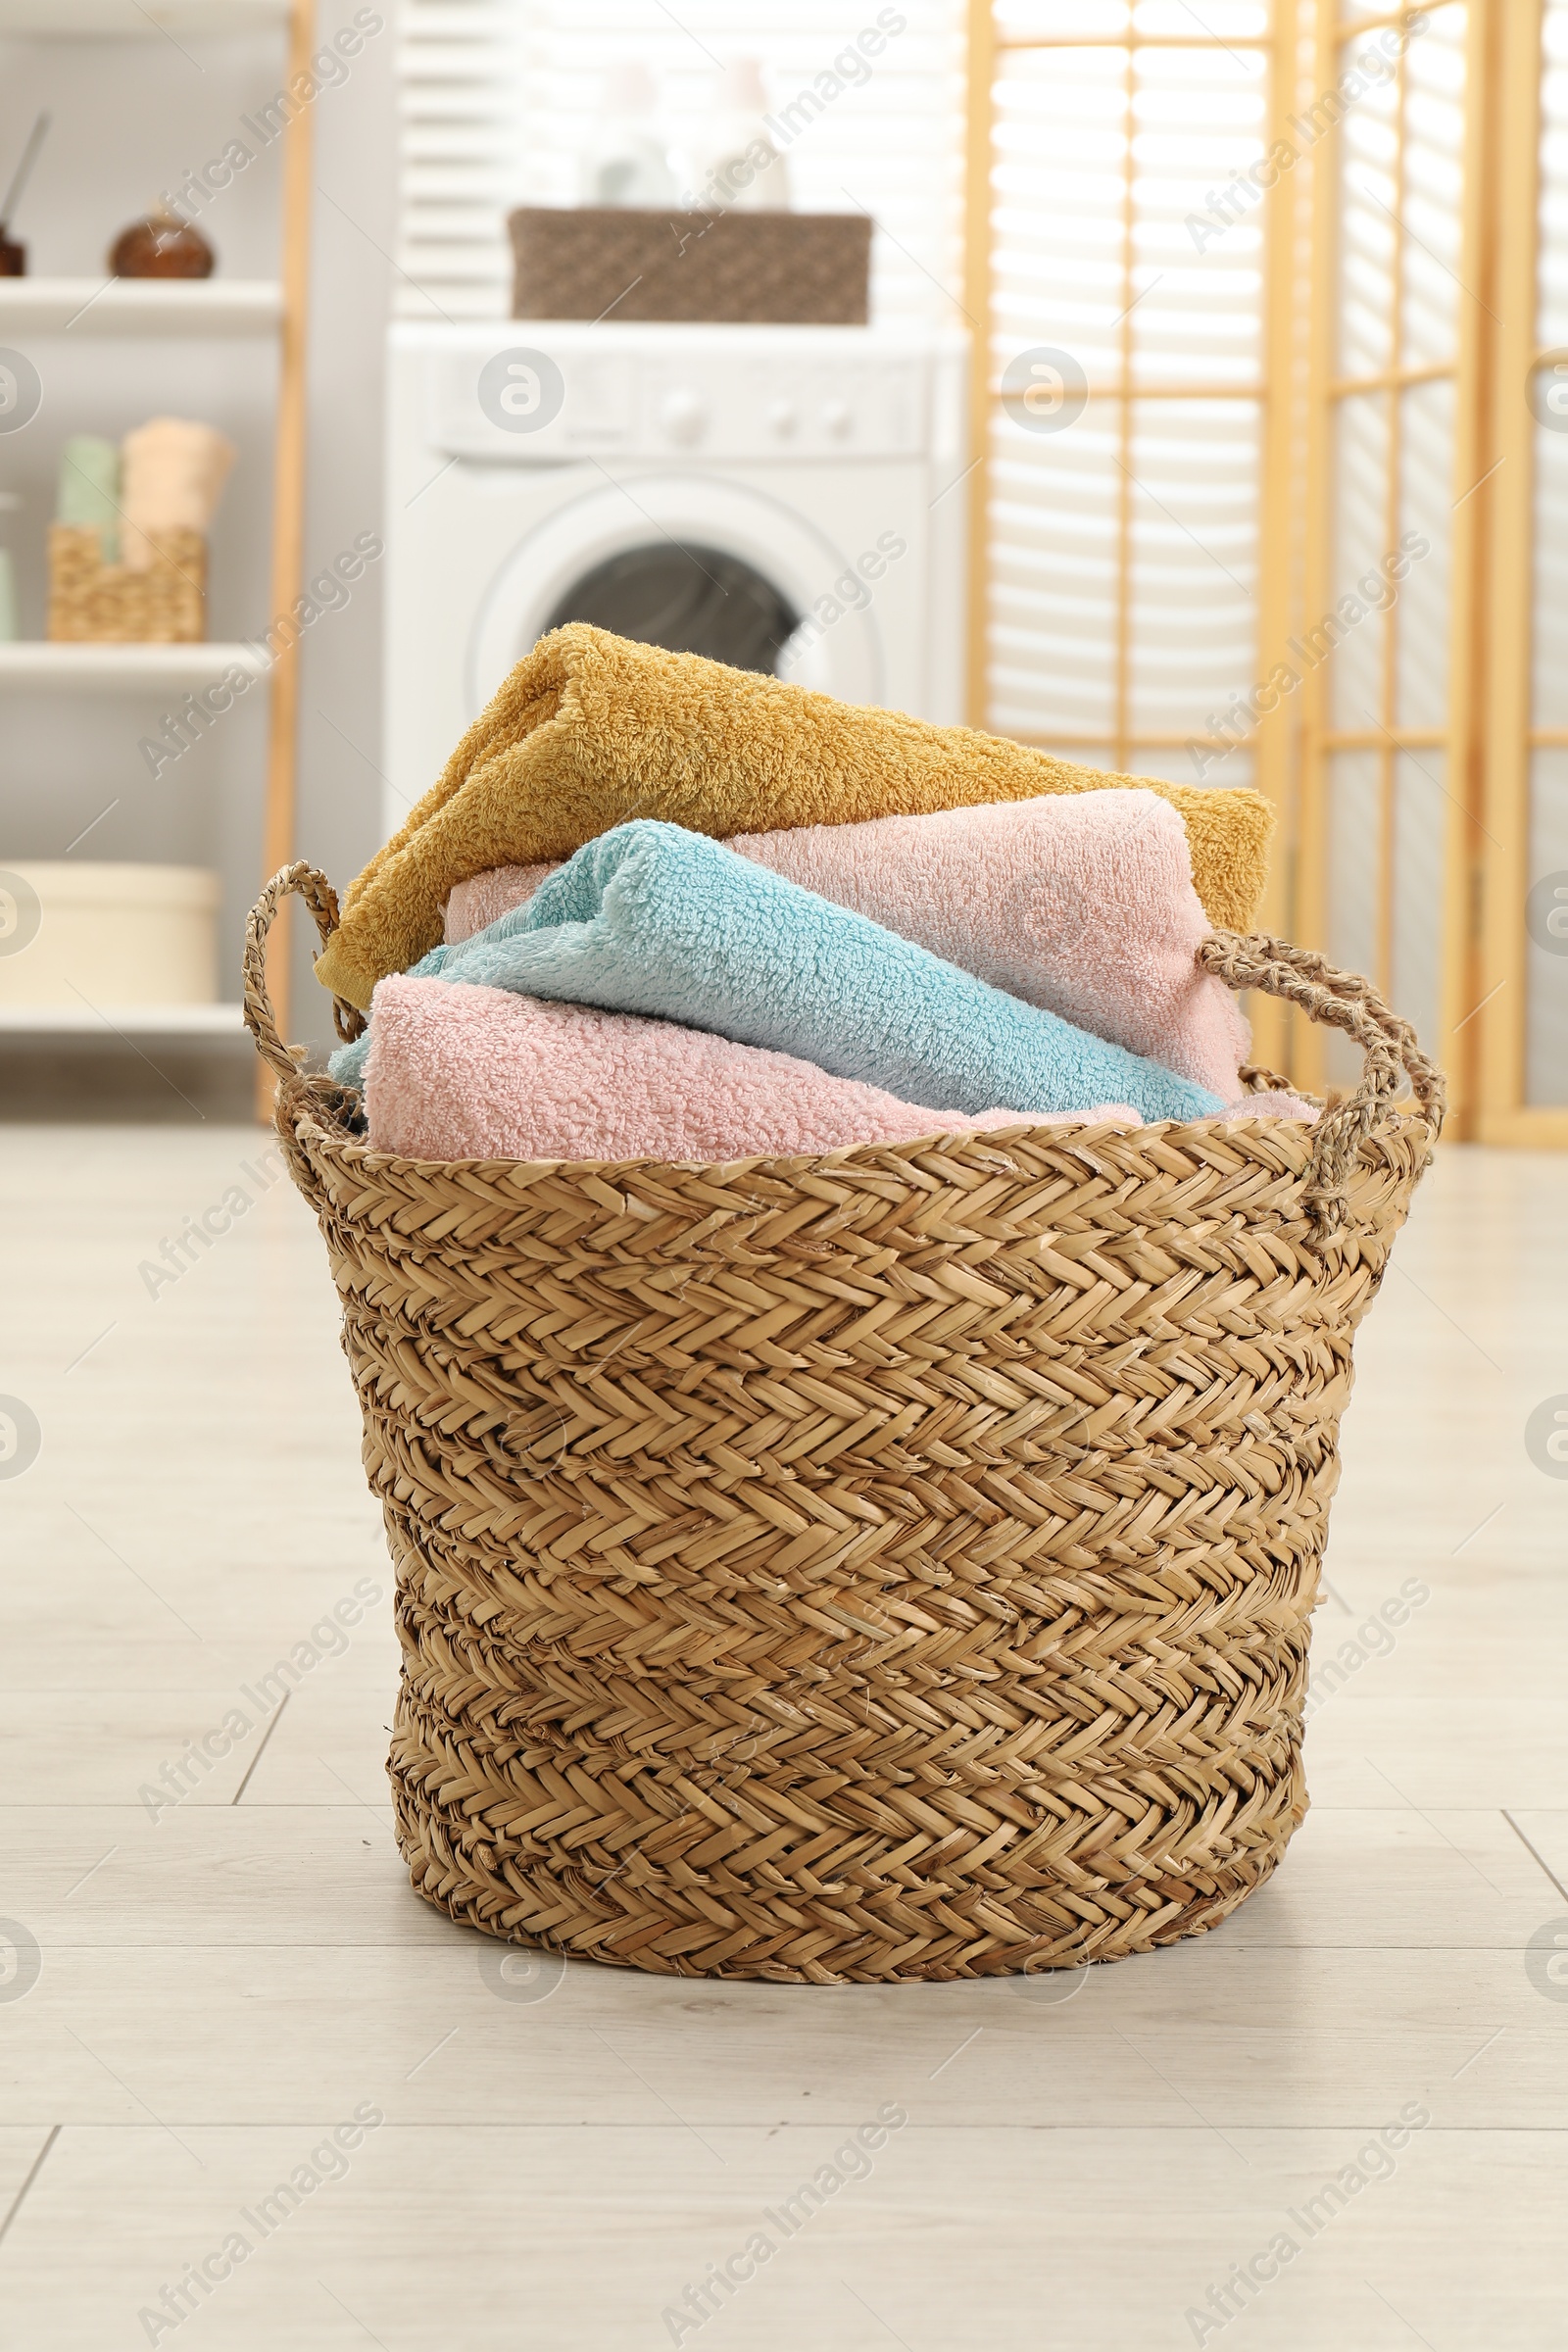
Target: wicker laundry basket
(895,1563)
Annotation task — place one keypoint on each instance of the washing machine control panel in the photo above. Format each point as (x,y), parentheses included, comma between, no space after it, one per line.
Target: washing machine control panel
(542,397)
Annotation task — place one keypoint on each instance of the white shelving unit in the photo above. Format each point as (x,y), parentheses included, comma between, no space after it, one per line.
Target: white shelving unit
(123,20)
(140,306)
(90,310)
(125,1020)
(123,668)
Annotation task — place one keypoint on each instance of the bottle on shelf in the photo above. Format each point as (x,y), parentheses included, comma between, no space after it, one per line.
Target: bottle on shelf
(8,502)
(629,162)
(736,166)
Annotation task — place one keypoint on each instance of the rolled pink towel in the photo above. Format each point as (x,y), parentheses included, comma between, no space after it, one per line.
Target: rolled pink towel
(1083,903)
(462,1072)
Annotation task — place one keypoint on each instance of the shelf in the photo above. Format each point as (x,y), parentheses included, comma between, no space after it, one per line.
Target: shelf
(167,321)
(131,1020)
(122,19)
(140,306)
(127,669)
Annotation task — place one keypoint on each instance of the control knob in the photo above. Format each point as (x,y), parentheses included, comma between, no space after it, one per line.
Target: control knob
(683,416)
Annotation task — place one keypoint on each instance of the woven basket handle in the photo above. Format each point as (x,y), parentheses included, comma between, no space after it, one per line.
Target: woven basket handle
(1338,1001)
(312,885)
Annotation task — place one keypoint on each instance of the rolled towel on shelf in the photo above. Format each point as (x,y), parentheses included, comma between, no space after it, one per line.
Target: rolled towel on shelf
(478,1073)
(173,473)
(655,920)
(591,731)
(1082,904)
(88,496)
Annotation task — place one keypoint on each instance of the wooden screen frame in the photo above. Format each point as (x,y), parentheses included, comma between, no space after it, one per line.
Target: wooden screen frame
(1497,1052)
(1271,741)
(1489,735)
(1457,738)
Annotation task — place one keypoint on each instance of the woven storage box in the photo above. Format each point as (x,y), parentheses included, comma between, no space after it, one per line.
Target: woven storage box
(896,1563)
(735,268)
(94,603)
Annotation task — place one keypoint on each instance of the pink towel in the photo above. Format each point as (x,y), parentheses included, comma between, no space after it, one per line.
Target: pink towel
(485,898)
(460,1072)
(1083,903)
(1272,1105)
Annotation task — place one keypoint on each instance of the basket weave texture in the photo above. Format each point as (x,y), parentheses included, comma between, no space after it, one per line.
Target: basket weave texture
(738,268)
(94,603)
(896,1563)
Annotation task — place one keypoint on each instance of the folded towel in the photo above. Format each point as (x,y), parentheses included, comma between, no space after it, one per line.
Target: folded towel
(476,1073)
(1084,905)
(590,730)
(485,898)
(652,920)
(174,473)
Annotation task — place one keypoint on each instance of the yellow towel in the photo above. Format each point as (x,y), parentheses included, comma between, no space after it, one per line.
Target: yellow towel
(592,729)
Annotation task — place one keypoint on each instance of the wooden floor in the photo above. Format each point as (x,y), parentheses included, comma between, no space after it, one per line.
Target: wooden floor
(198,1988)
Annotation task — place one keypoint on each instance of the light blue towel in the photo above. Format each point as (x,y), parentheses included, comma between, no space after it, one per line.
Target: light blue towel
(650,919)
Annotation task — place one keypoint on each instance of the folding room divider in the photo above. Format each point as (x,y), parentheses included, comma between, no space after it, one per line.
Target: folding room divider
(1271,436)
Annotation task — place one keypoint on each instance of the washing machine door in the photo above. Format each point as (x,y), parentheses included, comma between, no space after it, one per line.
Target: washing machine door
(693,562)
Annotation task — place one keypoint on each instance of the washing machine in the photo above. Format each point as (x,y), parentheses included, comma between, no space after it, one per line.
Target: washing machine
(789,500)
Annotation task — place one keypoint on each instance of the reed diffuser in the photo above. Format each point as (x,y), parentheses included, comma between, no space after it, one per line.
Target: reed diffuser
(13,255)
